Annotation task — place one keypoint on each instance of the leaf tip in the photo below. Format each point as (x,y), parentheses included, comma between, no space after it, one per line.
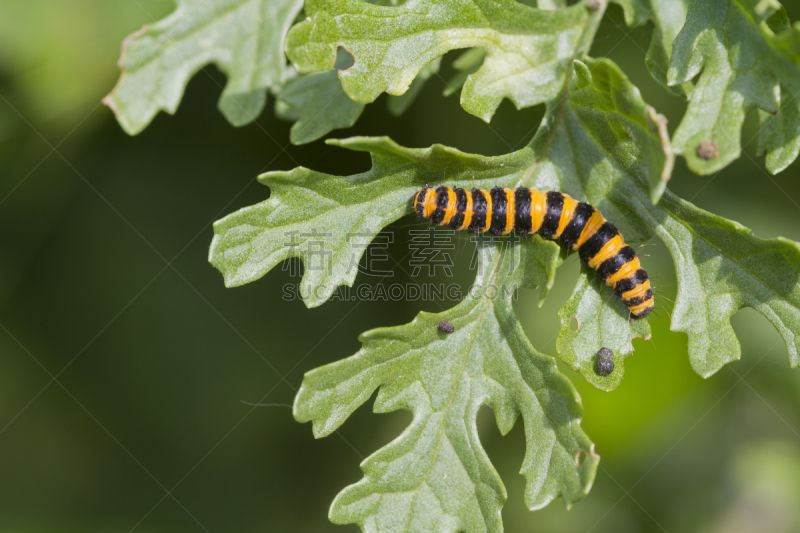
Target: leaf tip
(582,70)
(108,101)
(128,125)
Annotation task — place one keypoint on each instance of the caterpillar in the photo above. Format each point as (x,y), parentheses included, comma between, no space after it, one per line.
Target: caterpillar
(553,215)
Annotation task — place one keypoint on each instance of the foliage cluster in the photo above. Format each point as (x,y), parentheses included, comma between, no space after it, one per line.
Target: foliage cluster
(599,141)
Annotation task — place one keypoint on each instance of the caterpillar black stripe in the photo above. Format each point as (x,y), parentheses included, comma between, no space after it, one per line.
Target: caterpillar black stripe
(576,225)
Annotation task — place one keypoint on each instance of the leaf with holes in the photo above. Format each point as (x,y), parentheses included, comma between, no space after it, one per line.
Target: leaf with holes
(746,56)
(244,38)
(436,476)
(528,50)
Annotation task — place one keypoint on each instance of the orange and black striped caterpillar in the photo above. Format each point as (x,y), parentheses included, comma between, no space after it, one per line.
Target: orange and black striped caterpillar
(576,225)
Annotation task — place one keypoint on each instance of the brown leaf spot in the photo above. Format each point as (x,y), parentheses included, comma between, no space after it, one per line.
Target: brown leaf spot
(707,150)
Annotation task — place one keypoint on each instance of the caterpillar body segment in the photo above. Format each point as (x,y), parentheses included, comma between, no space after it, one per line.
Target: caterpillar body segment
(553,215)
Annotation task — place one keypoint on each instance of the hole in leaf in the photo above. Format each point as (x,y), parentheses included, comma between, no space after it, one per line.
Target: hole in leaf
(574,324)
(344,59)
(580,457)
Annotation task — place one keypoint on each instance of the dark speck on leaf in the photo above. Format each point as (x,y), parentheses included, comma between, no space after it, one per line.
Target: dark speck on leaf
(707,150)
(446,327)
(604,365)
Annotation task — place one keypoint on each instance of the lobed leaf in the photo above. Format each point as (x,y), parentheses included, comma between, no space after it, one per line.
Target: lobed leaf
(746,55)
(597,144)
(721,266)
(528,50)
(591,146)
(668,17)
(306,206)
(318,105)
(244,38)
(315,216)
(436,476)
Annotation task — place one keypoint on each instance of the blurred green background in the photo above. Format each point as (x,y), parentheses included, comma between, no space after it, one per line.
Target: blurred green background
(127,367)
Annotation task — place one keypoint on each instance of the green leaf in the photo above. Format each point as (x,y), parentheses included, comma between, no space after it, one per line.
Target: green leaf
(436,476)
(244,38)
(545,4)
(528,50)
(318,104)
(746,55)
(591,319)
(308,210)
(590,146)
(668,17)
(721,266)
(779,136)
(599,92)
(249,243)
(599,144)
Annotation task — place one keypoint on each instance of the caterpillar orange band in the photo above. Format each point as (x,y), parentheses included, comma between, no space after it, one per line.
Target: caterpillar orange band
(576,225)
